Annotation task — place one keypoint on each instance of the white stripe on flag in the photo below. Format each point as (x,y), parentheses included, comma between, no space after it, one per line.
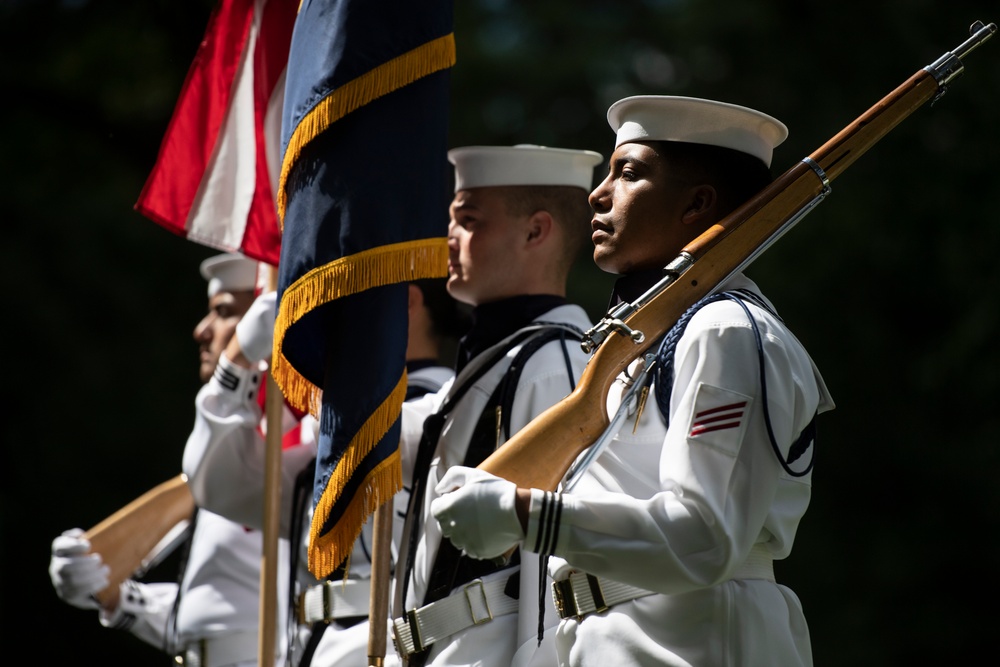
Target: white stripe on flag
(219,213)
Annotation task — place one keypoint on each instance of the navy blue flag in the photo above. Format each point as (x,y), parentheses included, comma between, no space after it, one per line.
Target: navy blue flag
(363,199)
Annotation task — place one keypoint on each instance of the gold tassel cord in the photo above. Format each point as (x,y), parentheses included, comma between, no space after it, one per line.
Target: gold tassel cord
(377,267)
(436,55)
(328,551)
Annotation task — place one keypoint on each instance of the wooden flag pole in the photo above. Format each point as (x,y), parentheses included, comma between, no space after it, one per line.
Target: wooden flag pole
(273,410)
(378,601)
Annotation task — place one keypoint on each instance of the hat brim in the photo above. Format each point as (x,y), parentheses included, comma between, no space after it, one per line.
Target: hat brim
(695,120)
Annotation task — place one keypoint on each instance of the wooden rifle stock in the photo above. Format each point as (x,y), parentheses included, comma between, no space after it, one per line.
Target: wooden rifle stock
(541,453)
(124,538)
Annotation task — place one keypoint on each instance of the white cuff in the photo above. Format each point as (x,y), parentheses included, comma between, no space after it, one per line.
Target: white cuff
(132,602)
(544,512)
(232,377)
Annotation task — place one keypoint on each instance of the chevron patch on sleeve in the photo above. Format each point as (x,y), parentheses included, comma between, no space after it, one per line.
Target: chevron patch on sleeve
(719,418)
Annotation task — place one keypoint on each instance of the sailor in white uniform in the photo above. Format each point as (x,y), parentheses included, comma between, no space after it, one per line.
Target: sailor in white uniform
(518,219)
(211,618)
(225,460)
(662,552)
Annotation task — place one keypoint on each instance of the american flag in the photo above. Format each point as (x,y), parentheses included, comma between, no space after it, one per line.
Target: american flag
(216,173)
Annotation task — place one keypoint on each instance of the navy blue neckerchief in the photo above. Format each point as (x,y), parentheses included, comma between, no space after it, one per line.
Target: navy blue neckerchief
(492,322)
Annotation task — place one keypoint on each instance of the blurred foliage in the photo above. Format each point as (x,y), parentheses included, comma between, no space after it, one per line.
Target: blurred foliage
(889,282)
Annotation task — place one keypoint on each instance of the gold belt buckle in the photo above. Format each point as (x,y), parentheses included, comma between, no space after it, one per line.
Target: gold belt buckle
(300,606)
(195,650)
(565,601)
(328,604)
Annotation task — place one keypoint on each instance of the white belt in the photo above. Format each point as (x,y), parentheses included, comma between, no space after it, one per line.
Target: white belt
(473,604)
(582,594)
(218,651)
(335,599)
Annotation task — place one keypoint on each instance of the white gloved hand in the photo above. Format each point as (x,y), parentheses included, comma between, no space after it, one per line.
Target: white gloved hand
(76,574)
(476,512)
(255,330)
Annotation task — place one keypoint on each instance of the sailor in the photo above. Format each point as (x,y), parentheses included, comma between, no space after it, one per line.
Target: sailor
(518,220)
(662,552)
(211,617)
(225,459)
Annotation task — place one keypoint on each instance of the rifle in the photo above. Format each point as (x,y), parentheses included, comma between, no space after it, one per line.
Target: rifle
(127,536)
(541,453)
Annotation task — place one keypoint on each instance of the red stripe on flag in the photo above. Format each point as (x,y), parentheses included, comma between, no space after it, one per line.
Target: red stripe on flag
(193,179)
(189,142)
(262,235)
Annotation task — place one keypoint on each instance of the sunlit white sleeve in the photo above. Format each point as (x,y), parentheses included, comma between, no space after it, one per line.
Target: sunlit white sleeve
(678,508)
(225,455)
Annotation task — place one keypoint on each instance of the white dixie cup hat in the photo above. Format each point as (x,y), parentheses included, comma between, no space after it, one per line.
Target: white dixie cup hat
(698,121)
(230,272)
(523,164)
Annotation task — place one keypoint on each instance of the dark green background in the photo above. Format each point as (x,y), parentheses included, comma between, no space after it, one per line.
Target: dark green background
(891,283)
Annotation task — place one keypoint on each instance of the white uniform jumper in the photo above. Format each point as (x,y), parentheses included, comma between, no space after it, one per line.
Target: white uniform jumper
(694,513)
(228,423)
(348,645)
(542,383)
(224,461)
(215,620)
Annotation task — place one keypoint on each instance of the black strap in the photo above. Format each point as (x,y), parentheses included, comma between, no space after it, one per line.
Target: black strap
(301,495)
(451,567)
(315,634)
(508,384)
(172,640)
(425,452)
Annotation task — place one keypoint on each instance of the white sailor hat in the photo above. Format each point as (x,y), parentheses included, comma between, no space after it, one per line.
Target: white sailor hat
(523,164)
(693,120)
(230,272)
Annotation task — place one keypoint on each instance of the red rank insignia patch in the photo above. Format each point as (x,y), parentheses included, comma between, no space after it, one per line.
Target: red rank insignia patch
(719,418)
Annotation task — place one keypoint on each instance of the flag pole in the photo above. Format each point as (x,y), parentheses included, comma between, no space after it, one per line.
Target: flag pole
(274,408)
(378,601)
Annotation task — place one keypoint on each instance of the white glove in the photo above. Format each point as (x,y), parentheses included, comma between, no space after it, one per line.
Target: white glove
(255,330)
(76,574)
(476,512)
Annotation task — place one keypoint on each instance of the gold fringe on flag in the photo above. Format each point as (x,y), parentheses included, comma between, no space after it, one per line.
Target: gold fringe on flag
(436,55)
(328,551)
(377,267)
